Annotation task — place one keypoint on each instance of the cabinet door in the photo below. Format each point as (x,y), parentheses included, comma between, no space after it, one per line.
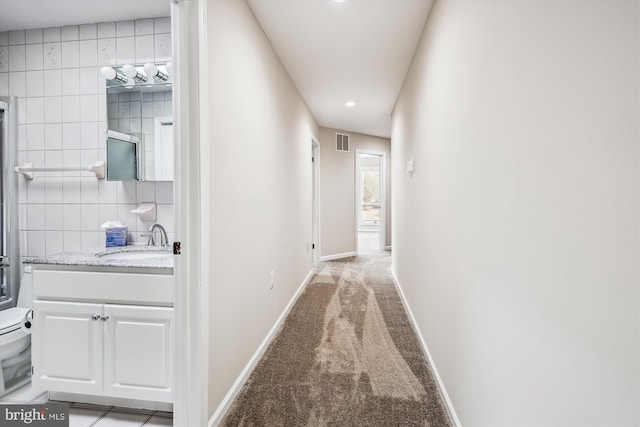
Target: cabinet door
(138,352)
(67,340)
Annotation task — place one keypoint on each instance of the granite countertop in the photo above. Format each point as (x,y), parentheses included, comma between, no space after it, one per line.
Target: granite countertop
(96,258)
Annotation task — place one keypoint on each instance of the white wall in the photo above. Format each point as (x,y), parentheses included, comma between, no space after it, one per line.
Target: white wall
(338,189)
(260,166)
(55,73)
(516,241)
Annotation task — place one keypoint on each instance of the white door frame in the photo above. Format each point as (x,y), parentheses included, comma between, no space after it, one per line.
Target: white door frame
(191,207)
(382,226)
(315,204)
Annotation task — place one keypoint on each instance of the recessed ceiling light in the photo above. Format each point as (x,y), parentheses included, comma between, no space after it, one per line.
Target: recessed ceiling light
(339,1)
(350,104)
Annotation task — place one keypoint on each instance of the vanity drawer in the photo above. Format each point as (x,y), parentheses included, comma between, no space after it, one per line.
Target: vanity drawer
(124,288)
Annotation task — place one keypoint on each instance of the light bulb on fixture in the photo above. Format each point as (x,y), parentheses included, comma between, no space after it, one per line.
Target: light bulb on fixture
(110,74)
(349,104)
(131,72)
(153,71)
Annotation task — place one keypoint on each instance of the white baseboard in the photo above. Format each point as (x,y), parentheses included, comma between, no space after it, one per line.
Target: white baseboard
(443,390)
(111,401)
(224,406)
(338,256)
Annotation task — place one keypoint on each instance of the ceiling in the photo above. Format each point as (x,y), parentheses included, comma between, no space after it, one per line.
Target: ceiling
(30,14)
(355,50)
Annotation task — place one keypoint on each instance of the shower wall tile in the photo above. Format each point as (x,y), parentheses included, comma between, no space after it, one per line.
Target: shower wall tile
(53,188)
(52,159)
(88,53)
(143,27)
(33,36)
(70,32)
(144,49)
(72,241)
(106,30)
(163,48)
(35,83)
(18,85)
(125,50)
(54,241)
(4,59)
(71,82)
(162,25)
(70,109)
(36,243)
(17,37)
(17,58)
(4,82)
(35,110)
(89,135)
(62,113)
(71,216)
(71,141)
(35,137)
(88,31)
(36,216)
(51,52)
(51,34)
(34,56)
(89,80)
(53,135)
(53,109)
(70,54)
(125,28)
(52,83)
(54,217)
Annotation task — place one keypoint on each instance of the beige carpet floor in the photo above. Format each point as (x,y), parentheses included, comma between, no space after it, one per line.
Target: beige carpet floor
(345,356)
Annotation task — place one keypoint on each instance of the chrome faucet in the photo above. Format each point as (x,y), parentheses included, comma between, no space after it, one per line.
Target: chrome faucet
(164,240)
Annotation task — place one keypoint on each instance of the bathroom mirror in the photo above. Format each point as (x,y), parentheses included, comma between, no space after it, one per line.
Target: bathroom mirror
(142,111)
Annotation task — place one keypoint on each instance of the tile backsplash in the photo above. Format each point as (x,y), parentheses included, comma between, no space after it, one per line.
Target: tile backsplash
(62,122)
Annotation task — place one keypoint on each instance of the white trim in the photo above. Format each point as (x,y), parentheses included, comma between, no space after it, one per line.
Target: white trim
(412,319)
(337,256)
(190,373)
(224,406)
(109,401)
(315,205)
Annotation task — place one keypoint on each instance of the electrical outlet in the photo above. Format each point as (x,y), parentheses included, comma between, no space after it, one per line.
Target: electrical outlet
(273,279)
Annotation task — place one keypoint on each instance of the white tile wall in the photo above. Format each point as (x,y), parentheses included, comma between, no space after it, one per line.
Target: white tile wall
(62,107)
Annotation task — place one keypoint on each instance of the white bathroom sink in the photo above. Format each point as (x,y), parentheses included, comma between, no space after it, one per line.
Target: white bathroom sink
(135,255)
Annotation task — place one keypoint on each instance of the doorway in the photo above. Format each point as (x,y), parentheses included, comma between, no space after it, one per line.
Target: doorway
(370,202)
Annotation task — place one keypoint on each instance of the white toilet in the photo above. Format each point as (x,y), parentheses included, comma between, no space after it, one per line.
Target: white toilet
(15,344)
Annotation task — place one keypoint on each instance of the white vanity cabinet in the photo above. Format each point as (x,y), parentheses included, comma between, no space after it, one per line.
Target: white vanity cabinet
(103,333)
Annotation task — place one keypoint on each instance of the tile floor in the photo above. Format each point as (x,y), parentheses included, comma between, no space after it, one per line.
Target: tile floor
(85,415)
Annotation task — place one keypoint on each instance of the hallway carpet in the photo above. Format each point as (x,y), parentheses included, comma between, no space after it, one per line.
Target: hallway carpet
(345,356)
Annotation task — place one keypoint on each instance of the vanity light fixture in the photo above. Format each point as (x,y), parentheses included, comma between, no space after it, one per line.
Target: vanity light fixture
(153,71)
(110,74)
(350,104)
(131,72)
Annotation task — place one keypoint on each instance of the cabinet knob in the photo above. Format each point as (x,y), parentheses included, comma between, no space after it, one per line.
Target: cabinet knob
(95,317)
(104,318)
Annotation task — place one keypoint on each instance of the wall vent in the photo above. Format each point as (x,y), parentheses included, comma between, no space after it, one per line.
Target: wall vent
(342,142)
